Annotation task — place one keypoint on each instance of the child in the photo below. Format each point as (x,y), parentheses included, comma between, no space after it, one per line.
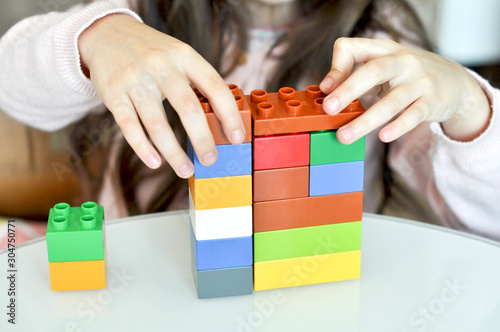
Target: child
(446,155)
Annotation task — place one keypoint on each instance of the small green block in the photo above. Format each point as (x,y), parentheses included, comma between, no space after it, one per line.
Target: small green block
(326,149)
(75,233)
(307,241)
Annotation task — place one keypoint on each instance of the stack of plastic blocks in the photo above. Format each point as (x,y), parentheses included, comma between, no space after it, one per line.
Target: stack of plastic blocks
(221,211)
(308,191)
(75,247)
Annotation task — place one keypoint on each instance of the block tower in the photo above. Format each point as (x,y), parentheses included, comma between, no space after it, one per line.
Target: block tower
(308,191)
(75,247)
(221,211)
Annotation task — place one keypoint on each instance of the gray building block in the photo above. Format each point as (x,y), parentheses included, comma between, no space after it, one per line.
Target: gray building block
(223,282)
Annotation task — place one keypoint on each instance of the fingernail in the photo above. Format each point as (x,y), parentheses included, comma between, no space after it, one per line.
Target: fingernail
(347,133)
(331,105)
(327,84)
(186,171)
(387,134)
(209,158)
(153,161)
(237,136)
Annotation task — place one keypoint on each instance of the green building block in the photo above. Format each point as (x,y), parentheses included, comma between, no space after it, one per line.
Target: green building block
(75,233)
(326,149)
(307,241)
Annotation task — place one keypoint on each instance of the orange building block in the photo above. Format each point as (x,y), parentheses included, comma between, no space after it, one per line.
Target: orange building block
(290,111)
(284,183)
(307,211)
(214,123)
(223,192)
(78,275)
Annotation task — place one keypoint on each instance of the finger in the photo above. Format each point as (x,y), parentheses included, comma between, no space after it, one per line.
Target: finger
(126,118)
(183,99)
(212,86)
(349,51)
(417,113)
(152,114)
(371,74)
(395,101)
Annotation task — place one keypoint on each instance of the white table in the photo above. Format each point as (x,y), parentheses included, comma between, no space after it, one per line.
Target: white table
(415,277)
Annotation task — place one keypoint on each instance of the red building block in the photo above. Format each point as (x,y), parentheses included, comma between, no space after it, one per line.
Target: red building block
(307,211)
(284,183)
(281,151)
(214,123)
(290,111)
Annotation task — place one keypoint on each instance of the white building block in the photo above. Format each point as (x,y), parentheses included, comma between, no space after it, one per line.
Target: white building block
(223,223)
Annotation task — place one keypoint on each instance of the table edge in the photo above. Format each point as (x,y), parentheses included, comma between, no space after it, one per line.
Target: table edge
(378,217)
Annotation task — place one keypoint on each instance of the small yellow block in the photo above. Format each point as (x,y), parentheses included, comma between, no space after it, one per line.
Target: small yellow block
(307,270)
(77,275)
(223,192)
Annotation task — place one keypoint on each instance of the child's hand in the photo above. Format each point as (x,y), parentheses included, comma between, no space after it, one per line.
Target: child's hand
(134,68)
(418,85)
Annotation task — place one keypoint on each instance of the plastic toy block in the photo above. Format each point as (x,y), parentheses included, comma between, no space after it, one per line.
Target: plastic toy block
(281,151)
(232,160)
(214,123)
(307,211)
(221,223)
(223,282)
(307,270)
(222,253)
(336,178)
(326,149)
(284,183)
(75,233)
(80,275)
(307,241)
(290,111)
(223,192)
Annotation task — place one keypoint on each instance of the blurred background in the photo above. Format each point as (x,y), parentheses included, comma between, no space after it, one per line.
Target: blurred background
(463,30)
(13,11)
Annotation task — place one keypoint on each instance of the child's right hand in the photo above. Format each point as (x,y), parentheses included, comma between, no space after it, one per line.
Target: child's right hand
(134,68)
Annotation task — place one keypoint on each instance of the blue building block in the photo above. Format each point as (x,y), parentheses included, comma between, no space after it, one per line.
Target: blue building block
(222,253)
(337,178)
(223,282)
(232,160)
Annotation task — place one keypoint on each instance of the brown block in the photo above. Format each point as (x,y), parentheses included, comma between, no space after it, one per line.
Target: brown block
(283,183)
(214,123)
(290,111)
(307,211)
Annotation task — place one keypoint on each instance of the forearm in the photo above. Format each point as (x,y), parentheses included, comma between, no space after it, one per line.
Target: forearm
(41,82)
(467,174)
(473,117)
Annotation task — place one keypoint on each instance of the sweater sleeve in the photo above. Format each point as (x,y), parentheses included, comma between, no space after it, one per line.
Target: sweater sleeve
(460,181)
(41,81)
(467,174)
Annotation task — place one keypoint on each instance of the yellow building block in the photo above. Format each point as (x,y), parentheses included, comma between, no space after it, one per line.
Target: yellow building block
(77,275)
(223,192)
(307,270)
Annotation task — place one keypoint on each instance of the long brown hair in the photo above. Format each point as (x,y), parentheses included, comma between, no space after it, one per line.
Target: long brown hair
(208,25)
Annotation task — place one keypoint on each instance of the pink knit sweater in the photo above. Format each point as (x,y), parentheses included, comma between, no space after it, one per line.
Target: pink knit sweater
(42,85)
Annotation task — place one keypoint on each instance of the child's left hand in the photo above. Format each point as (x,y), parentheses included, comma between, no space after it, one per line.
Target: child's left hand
(417,84)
